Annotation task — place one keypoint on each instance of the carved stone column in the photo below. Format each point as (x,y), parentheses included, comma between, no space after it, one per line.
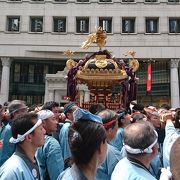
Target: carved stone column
(6,63)
(174,83)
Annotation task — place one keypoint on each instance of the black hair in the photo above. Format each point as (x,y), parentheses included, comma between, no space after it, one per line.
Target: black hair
(23,123)
(14,106)
(108,115)
(165,106)
(96,108)
(121,113)
(138,107)
(177,119)
(68,107)
(85,137)
(137,117)
(50,105)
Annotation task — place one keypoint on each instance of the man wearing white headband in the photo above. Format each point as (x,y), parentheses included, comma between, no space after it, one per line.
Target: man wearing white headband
(28,134)
(140,142)
(49,156)
(15,108)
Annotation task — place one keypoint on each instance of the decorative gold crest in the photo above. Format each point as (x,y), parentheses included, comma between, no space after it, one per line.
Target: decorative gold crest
(99,37)
(134,64)
(70,63)
(101,61)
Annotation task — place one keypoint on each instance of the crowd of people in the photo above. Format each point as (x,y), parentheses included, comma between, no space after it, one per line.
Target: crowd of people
(50,142)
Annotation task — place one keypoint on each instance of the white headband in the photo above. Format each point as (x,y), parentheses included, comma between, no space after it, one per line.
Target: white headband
(140,151)
(21,138)
(45,114)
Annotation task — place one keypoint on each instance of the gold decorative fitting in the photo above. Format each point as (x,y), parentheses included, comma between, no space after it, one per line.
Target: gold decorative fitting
(99,37)
(133,63)
(70,63)
(69,53)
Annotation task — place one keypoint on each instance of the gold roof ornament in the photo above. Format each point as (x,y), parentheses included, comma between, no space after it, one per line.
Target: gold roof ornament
(101,70)
(133,63)
(99,37)
(70,63)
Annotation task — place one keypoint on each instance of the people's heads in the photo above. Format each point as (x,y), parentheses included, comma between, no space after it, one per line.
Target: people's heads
(138,108)
(165,106)
(4,114)
(175,160)
(96,108)
(53,106)
(48,120)
(26,128)
(138,117)
(177,119)
(110,122)
(87,139)
(154,118)
(140,139)
(123,118)
(17,107)
(69,109)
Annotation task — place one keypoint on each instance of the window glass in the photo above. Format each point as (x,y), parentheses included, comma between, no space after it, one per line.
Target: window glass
(60,1)
(173,0)
(174,25)
(82,1)
(13,24)
(127,0)
(17,72)
(151,25)
(128,25)
(82,25)
(24,73)
(31,73)
(151,0)
(106,24)
(59,24)
(36,24)
(105,0)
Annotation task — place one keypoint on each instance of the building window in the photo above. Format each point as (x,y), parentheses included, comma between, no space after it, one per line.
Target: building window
(38,73)
(15,0)
(174,25)
(36,24)
(128,25)
(151,0)
(82,1)
(37,0)
(82,25)
(17,72)
(127,0)
(173,0)
(106,24)
(31,73)
(13,23)
(151,25)
(60,1)
(104,1)
(59,24)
